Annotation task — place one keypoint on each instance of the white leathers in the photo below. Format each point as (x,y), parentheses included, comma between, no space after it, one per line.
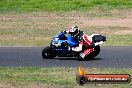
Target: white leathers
(77,49)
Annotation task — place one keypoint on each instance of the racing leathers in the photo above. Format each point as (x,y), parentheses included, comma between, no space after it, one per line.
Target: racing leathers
(85,46)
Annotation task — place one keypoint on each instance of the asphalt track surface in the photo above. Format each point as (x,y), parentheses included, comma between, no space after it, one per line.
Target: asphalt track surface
(117,57)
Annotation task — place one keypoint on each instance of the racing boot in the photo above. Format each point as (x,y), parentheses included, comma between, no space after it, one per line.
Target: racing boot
(80,58)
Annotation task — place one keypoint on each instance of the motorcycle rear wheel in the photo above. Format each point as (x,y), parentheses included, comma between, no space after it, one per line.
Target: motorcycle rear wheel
(93,54)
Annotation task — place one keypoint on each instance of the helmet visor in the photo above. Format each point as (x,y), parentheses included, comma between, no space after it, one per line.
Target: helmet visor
(75,33)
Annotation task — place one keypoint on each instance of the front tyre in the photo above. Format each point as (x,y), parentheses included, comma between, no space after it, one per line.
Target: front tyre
(47,53)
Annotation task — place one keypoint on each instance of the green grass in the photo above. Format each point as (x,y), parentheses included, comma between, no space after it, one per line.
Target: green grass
(24,42)
(61,5)
(37,28)
(119,40)
(65,77)
(115,40)
(42,37)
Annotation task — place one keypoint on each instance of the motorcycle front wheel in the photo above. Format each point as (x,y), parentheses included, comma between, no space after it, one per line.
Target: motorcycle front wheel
(47,53)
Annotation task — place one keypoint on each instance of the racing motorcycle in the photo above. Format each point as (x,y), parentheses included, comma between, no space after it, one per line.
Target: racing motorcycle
(59,46)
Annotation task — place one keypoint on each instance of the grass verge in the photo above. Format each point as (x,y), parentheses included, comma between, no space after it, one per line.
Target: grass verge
(41,37)
(54,77)
(61,5)
(116,40)
(37,28)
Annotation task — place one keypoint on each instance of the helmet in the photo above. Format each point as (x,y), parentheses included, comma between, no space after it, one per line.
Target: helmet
(74,30)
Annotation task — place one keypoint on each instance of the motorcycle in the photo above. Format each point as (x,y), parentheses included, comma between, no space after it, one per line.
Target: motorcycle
(59,46)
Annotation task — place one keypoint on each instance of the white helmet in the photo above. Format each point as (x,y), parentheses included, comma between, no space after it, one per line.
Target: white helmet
(74,30)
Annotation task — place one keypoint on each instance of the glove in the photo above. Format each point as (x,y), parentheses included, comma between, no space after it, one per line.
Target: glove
(64,32)
(64,44)
(69,48)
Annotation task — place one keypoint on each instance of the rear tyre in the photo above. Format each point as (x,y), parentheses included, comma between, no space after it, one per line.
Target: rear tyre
(94,53)
(47,53)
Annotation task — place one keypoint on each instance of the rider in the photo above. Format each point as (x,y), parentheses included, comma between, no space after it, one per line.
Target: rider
(85,46)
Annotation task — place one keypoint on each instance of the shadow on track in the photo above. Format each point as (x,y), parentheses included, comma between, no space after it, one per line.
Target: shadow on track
(73,58)
(94,59)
